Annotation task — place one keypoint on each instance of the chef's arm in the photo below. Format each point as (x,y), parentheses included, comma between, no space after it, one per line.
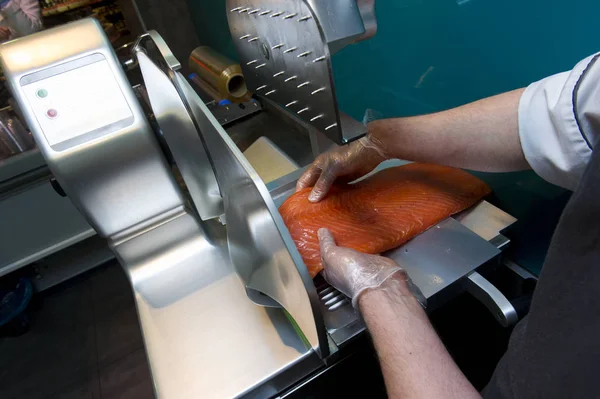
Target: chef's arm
(483,136)
(414,361)
(552,127)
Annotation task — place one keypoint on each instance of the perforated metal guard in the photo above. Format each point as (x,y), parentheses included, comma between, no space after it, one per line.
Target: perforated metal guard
(285,58)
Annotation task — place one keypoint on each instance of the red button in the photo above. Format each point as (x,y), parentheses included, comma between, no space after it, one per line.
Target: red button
(52,113)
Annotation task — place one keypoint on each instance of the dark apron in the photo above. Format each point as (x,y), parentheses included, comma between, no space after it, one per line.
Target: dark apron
(554,352)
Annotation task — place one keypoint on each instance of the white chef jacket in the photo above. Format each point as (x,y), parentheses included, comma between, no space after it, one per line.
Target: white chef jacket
(559,123)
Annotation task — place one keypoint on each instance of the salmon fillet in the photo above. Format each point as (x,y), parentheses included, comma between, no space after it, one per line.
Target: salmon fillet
(381,212)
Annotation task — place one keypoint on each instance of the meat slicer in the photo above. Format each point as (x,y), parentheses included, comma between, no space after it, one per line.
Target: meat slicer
(225,303)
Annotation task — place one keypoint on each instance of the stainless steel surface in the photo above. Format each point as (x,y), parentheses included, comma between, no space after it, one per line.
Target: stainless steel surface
(441,256)
(260,246)
(319,142)
(171,62)
(341,320)
(182,138)
(369,19)
(289,294)
(36,223)
(284,52)
(109,177)
(227,114)
(345,22)
(204,338)
(291,137)
(170,95)
(493,299)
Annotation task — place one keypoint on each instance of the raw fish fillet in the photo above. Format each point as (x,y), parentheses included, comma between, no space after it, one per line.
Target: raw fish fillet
(381,212)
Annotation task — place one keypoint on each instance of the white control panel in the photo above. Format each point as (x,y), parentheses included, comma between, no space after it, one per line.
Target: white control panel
(77,102)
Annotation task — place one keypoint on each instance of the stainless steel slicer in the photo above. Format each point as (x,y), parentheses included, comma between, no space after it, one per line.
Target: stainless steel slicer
(225,303)
(192,277)
(285,53)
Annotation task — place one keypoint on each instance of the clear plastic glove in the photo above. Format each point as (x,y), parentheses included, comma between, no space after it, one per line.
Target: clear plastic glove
(353,272)
(347,162)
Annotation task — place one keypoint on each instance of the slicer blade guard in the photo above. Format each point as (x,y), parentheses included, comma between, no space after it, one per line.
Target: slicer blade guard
(285,49)
(260,246)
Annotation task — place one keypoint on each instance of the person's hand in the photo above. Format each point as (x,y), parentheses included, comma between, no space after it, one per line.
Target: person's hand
(4,33)
(347,163)
(353,272)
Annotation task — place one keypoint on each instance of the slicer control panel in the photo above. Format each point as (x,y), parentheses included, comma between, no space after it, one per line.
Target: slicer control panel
(78,104)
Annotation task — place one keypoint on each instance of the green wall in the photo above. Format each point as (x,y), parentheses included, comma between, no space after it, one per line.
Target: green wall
(430,55)
(210,20)
(463,49)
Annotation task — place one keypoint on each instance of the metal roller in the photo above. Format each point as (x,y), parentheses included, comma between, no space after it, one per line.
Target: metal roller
(220,73)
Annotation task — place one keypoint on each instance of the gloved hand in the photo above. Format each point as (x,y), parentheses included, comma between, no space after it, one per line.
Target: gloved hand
(353,272)
(347,162)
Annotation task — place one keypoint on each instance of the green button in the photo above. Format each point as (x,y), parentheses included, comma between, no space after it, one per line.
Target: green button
(42,93)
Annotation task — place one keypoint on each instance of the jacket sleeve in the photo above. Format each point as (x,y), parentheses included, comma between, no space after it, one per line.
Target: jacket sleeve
(559,123)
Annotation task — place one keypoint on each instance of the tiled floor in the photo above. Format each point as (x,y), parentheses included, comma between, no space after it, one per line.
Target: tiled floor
(85,342)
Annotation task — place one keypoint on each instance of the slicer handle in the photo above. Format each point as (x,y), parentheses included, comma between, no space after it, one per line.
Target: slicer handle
(170,60)
(492,298)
